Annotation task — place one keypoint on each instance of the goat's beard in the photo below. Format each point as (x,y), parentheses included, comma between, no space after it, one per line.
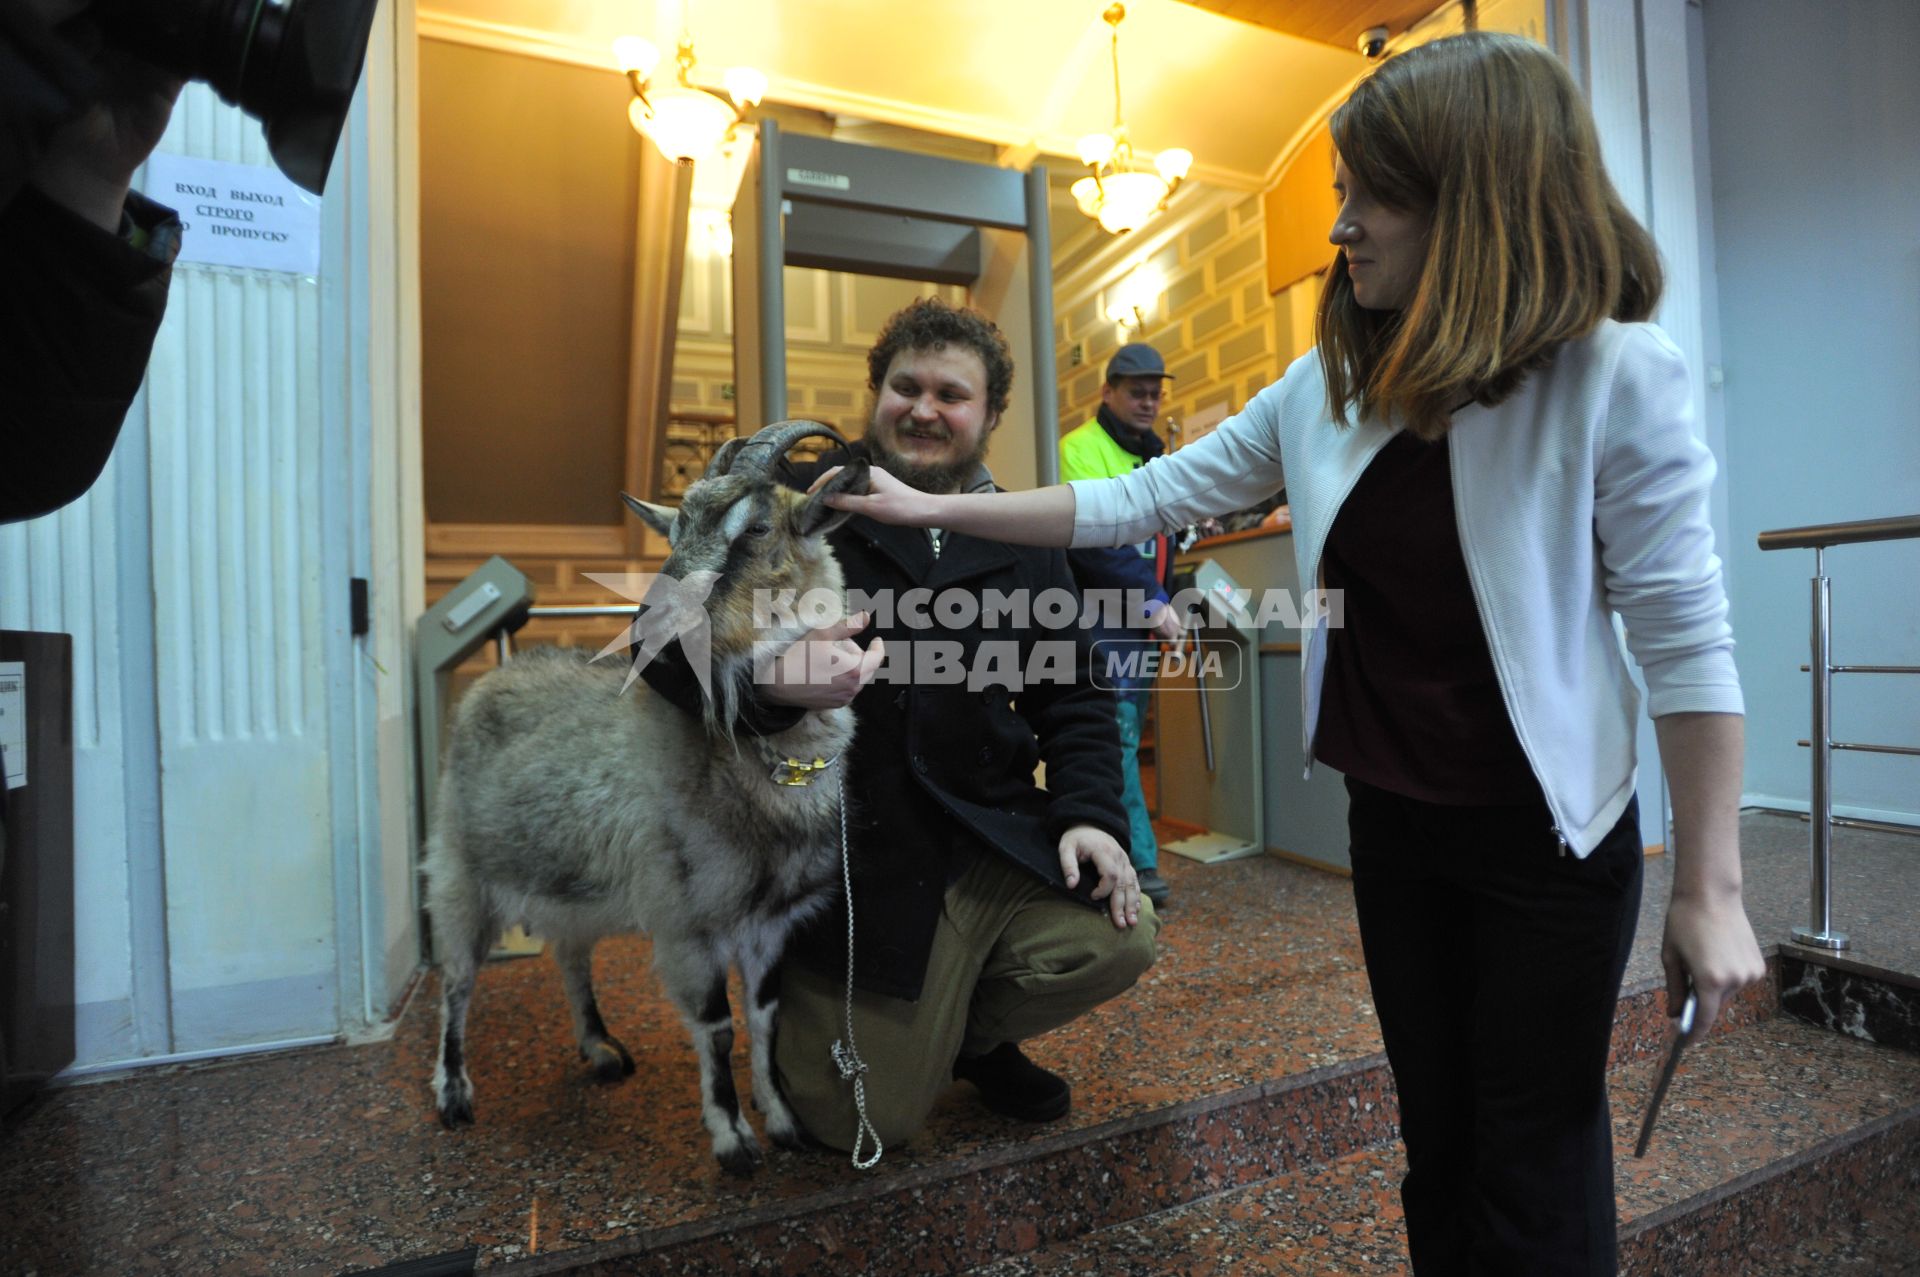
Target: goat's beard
(938,477)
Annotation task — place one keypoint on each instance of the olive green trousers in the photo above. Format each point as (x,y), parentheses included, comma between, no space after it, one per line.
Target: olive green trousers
(1011,959)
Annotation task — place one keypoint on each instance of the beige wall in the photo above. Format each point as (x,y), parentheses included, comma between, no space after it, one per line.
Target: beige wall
(1221,334)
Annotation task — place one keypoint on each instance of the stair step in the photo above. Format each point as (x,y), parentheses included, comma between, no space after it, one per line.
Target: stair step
(1880,1243)
(1286,1115)
(1770,1130)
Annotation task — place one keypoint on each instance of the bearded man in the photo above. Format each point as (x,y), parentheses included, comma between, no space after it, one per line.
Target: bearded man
(987,910)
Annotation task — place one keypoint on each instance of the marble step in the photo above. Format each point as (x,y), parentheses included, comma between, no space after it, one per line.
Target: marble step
(1881,1243)
(1006,1199)
(1781,1144)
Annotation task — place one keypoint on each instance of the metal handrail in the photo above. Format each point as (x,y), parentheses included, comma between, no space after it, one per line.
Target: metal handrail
(1819,931)
(1816,535)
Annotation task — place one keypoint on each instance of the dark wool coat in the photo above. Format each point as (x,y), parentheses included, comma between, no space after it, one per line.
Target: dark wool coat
(938,773)
(78,312)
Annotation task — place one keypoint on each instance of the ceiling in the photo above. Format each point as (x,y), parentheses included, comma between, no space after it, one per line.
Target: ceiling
(1336,22)
(1028,76)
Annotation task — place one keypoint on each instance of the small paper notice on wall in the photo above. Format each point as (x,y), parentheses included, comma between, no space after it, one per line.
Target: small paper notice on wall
(1201,422)
(13,721)
(244,215)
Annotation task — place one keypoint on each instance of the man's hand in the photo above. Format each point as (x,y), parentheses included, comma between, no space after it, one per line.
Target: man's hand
(1118,886)
(822,669)
(1164,621)
(90,161)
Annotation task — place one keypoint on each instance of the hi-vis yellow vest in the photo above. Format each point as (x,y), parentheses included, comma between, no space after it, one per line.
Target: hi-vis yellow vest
(1089,452)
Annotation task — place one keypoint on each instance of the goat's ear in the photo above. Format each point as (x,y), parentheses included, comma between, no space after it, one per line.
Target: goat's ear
(817,518)
(658,517)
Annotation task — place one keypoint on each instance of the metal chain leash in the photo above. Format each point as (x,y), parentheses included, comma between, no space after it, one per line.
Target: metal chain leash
(846,1056)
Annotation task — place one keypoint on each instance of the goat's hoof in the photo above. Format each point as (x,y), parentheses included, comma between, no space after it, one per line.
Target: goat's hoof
(608,1059)
(790,1137)
(740,1160)
(456,1108)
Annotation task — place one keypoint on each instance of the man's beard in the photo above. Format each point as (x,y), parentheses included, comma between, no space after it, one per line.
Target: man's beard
(937,476)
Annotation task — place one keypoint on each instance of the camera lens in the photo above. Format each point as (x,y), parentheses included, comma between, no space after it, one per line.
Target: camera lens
(293,66)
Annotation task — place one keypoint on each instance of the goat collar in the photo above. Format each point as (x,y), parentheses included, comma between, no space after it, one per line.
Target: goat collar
(796,773)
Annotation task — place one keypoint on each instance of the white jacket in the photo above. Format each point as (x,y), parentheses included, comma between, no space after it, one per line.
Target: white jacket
(1584,494)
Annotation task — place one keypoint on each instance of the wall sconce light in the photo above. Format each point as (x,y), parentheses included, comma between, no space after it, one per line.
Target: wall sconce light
(711,231)
(1134,296)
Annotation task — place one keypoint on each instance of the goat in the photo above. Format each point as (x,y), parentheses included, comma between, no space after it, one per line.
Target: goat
(584,811)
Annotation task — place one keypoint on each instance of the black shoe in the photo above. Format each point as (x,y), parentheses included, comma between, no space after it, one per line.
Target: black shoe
(1013,1086)
(1154,887)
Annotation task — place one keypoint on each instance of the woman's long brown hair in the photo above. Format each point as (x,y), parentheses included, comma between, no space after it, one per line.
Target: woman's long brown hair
(1529,245)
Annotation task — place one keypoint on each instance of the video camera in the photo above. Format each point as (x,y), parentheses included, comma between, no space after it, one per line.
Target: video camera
(291,64)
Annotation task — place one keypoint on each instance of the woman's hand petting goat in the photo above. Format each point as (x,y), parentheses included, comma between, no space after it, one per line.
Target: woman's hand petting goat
(1036,516)
(1119,886)
(823,668)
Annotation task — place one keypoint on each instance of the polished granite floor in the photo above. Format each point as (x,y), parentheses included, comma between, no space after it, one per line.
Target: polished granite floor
(330,1160)
(1743,1101)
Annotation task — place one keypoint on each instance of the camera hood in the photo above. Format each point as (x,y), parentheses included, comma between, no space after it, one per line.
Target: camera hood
(308,94)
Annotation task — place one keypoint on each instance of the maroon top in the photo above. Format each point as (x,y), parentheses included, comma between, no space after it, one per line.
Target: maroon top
(1410,702)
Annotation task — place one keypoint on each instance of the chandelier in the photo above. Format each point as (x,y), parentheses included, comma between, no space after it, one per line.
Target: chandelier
(684,120)
(1116,195)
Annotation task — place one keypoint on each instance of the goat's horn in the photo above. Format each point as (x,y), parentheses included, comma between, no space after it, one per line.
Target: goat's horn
(763,451)
(722,459)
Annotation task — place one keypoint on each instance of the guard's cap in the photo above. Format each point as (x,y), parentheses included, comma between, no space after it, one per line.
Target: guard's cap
(1137,359)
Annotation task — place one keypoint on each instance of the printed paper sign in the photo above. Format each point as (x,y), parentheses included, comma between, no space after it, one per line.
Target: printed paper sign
(1201,422)
(13,721)
(241,215)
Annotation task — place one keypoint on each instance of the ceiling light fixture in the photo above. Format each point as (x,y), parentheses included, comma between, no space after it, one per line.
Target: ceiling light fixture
(684,120)
(1115,195)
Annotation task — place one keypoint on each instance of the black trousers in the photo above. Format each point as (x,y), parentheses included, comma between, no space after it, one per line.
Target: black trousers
(1495,963)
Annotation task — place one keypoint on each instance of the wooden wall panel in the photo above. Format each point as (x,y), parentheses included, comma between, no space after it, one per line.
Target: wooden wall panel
(529,179)
(1300,209)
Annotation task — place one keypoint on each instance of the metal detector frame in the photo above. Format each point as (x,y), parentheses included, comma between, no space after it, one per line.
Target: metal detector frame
(867,210)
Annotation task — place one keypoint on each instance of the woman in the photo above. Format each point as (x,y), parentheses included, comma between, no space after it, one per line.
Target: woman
(1490,453)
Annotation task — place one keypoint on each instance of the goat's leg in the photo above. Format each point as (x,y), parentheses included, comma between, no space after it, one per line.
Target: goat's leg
(600,1049)
(460,965)
(761,972)
(698,985)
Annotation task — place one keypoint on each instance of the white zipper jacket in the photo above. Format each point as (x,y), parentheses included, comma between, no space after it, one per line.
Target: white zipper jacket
(1583,495)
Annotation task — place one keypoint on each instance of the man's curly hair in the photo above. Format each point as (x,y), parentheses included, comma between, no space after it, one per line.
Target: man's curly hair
(927,323)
